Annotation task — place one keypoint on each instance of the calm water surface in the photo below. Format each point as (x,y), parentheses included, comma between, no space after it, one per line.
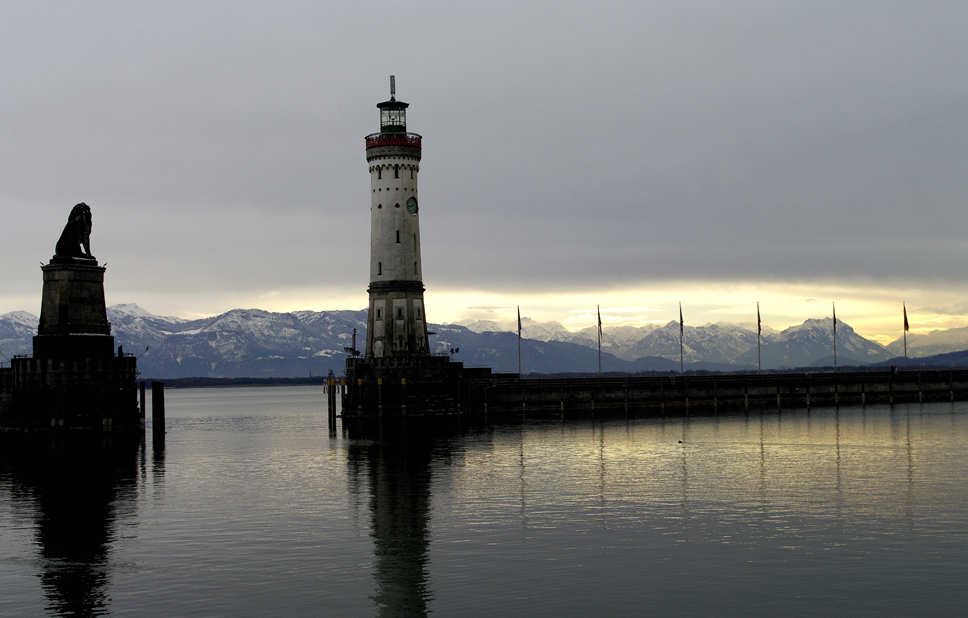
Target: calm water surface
(254,508)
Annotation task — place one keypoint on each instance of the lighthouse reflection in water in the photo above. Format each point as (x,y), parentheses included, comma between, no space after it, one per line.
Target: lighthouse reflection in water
(253,507)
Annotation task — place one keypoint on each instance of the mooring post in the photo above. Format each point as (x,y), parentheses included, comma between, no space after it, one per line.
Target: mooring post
(142,388)
(331,400)
(158,411)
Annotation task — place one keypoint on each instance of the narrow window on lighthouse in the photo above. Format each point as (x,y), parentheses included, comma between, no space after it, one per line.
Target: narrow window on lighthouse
(379,173)
(411,173)
(398,236)
(379,268)
(396,171)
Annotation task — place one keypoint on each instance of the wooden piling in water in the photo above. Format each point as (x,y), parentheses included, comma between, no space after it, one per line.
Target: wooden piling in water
(331,391)
(142,388)
(158,411)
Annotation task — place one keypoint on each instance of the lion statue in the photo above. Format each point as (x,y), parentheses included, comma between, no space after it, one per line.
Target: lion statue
(75,240)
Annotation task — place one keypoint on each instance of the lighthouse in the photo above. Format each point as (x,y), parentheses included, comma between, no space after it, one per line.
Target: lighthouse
(396,324)
(398,375)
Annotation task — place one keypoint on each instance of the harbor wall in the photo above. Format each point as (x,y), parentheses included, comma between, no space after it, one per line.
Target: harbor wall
(660,395)
(416,385)
(63,394)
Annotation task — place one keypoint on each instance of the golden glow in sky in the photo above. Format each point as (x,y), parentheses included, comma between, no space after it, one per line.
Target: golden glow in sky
(875,313)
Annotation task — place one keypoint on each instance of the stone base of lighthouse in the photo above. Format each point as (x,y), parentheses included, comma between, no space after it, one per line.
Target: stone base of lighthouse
(396,325)
(407,386)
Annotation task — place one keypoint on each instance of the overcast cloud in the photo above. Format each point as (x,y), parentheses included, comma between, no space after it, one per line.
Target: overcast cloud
(625,152)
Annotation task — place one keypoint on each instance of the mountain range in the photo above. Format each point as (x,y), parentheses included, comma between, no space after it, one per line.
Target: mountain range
(257,343)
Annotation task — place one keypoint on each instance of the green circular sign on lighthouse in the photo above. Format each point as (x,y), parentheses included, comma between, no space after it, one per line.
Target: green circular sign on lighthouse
(412,205)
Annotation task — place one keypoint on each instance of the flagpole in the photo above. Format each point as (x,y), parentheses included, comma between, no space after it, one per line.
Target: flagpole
(759,329)
(519,341)
(904,305)
(680,338)
(834,305)
(598,308)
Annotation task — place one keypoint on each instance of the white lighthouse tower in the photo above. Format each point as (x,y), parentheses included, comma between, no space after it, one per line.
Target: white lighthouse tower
(398,376)
(396,325)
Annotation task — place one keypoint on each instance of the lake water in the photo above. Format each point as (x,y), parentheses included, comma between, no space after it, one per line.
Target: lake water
(254,508)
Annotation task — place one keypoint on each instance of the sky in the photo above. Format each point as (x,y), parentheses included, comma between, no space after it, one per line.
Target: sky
(623,155)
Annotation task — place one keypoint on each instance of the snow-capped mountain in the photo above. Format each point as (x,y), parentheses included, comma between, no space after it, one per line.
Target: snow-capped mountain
(723,345)
(239,343)
(487,326)
(135,328)
(812,342)
(252,343)
(499,351)
(17,330)
(617,340)
(134,311)
(711,343)
(935,342)
(257,343)
(544,331)
(530,329)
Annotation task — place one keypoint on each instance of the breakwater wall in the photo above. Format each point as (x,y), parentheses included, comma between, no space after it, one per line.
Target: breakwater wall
(46,394)
(672,395)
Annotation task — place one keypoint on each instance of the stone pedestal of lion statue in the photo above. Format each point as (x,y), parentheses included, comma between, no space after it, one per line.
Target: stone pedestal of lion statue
(74,380)
(73,318)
